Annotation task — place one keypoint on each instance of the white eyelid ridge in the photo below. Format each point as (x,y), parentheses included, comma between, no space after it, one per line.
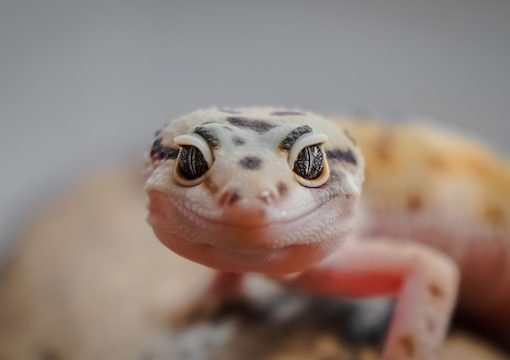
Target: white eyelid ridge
(197,141)
(304,141)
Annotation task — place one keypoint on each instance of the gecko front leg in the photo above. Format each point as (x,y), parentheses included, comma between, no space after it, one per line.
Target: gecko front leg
(424,281)
(275,192)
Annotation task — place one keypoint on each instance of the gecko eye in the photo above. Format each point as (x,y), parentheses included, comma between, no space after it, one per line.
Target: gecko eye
(308,161)
(191,162)
(194,159)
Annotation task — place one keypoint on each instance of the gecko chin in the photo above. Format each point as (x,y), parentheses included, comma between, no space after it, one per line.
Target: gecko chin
(271,248)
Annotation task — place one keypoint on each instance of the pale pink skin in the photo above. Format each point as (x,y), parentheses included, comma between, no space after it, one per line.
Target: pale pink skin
(424,281)
(255,234)
(240,248)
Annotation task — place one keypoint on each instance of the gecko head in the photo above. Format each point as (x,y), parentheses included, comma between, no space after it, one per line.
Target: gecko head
(253,189)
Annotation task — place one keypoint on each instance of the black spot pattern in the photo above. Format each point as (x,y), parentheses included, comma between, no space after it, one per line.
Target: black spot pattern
(309,162)
(342,155)
(291,138)
(238,141)
(250,162)
(162,152)
(286,113)
(192,164)
(259,126)
(209,135)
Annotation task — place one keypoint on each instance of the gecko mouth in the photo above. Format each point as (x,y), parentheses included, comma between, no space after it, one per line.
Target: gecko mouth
(254,224)
(281,245)
(304,228)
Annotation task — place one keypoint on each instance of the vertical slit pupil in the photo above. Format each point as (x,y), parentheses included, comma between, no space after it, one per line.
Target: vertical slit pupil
(309,162)
(192,163)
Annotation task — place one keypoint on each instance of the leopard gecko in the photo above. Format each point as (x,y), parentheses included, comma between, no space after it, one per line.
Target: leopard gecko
(340,207)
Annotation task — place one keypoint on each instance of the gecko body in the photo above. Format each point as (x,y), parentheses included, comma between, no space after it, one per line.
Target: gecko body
(348,207)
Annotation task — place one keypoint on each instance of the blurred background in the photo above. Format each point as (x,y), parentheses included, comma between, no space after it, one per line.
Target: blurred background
(83,85)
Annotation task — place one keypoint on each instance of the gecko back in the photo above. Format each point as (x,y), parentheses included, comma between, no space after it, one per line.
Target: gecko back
(452,193)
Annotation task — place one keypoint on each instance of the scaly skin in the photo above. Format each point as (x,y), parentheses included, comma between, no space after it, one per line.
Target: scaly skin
(432,204)
(450,193)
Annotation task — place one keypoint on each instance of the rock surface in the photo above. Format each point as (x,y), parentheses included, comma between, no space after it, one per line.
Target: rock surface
(90,281)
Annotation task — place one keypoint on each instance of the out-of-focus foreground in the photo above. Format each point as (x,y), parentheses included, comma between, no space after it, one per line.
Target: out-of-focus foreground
(90,281)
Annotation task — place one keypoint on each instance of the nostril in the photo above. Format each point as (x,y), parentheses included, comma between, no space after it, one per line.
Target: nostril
(228,198)
(234,198)
(267,197)
(282,189)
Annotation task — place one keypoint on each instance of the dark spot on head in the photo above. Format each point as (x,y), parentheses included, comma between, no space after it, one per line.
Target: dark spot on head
(435,290)
(493,214)
(407,343)
(162,152)
(282,188)
(250,162)
(342,155)
(414,202)
(259,126)
(209,135)
(229,111)
(286,113)
(291,138)
(238,141)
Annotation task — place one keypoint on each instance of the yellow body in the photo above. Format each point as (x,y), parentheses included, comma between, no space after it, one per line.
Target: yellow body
(428,185)
(353,207)
(406,162)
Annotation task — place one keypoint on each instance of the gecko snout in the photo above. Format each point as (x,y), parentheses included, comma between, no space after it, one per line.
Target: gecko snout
(232,197)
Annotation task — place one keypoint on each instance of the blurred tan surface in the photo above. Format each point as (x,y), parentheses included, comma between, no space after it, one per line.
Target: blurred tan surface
(90,281)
